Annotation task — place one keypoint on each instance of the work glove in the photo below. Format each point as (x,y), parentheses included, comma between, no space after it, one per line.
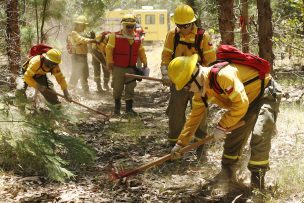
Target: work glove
(67,95)
(165,78)
(175,152)
(220,133)
(41,88)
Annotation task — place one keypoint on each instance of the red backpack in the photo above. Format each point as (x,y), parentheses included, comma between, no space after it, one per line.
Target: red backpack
(228,54)
(35,50)
(39,49)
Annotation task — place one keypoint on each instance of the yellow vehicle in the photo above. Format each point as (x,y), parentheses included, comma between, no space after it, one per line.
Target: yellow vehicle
(154,22)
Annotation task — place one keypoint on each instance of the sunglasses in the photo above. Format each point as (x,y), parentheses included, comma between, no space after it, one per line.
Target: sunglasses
(130,26)
(50,64)
(131,20)
(185,26)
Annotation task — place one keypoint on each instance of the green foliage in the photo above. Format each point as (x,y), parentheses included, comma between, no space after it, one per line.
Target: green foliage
(37,144)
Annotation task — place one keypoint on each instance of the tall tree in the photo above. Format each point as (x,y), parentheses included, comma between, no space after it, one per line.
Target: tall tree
(13,35)
(265,31)
(244,25)
(226,21)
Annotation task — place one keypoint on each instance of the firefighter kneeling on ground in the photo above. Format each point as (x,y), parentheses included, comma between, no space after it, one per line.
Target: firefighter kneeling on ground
(33,73)
(122,51)
(245,102)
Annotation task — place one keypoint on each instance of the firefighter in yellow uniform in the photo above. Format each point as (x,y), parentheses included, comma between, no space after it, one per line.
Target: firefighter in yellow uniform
(79,49)
(185,40)
(122,51)
(98,59)
(243,101)
(34,75)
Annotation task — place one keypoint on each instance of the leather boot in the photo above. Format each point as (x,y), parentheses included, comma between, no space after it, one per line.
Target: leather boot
(129,107)
(258,180)
(227,174)
(117,106)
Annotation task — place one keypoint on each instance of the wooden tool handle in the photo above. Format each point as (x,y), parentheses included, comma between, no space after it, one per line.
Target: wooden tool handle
(128,75)
(183,150)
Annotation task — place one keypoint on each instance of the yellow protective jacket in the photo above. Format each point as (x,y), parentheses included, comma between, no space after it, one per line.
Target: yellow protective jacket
(236,98)
(111,45)
(34,68)
(79,43)
(182,50)
(101,46)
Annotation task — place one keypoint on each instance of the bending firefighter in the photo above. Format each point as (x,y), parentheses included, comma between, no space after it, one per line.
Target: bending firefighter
(243,100)
(34,72)
(185,40)
(77,45)
(122,51)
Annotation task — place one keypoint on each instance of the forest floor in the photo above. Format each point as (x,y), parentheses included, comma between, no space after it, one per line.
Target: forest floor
(133,141)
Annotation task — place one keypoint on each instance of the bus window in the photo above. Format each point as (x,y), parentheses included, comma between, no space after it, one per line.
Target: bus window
(150,19)
(161,19)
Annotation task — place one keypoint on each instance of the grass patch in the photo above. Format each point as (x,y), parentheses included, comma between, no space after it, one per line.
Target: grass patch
(132,127)
(37,144)
(289,154)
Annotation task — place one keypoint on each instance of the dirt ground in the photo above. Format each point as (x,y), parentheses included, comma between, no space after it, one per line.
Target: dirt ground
(133,141)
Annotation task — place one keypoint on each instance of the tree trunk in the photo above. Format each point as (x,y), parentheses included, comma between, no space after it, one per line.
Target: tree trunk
(244,26)
(13,35)
(226,21)
(265,32)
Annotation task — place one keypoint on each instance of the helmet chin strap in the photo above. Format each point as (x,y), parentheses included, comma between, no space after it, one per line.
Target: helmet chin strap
(193,79)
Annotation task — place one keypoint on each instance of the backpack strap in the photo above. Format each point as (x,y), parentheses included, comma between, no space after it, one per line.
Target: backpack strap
(213,77)
(217,66)
(205,99)
(198,40)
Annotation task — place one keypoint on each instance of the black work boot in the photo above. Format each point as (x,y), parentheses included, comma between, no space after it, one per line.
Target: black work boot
(117,107)
(258,180)
(129,107)
(227,174)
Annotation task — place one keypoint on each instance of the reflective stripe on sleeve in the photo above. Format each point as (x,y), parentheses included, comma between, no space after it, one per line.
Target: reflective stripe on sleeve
(110,45)
(233,95)
(167,49)
(208,51)
(196,103)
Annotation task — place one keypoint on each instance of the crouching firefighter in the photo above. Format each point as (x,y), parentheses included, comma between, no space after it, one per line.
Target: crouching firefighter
(33,73)
(238,89)
(122,51)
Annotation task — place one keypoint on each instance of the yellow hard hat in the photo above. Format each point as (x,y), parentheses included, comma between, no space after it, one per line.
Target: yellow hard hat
(53,55)
(184,14)
(180,70)
(81,20)
(128,19)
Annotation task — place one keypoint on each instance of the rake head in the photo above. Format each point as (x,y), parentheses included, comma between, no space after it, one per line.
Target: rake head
(117,172)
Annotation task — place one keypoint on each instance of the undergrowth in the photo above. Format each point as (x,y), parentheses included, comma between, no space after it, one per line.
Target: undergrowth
(36,142)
